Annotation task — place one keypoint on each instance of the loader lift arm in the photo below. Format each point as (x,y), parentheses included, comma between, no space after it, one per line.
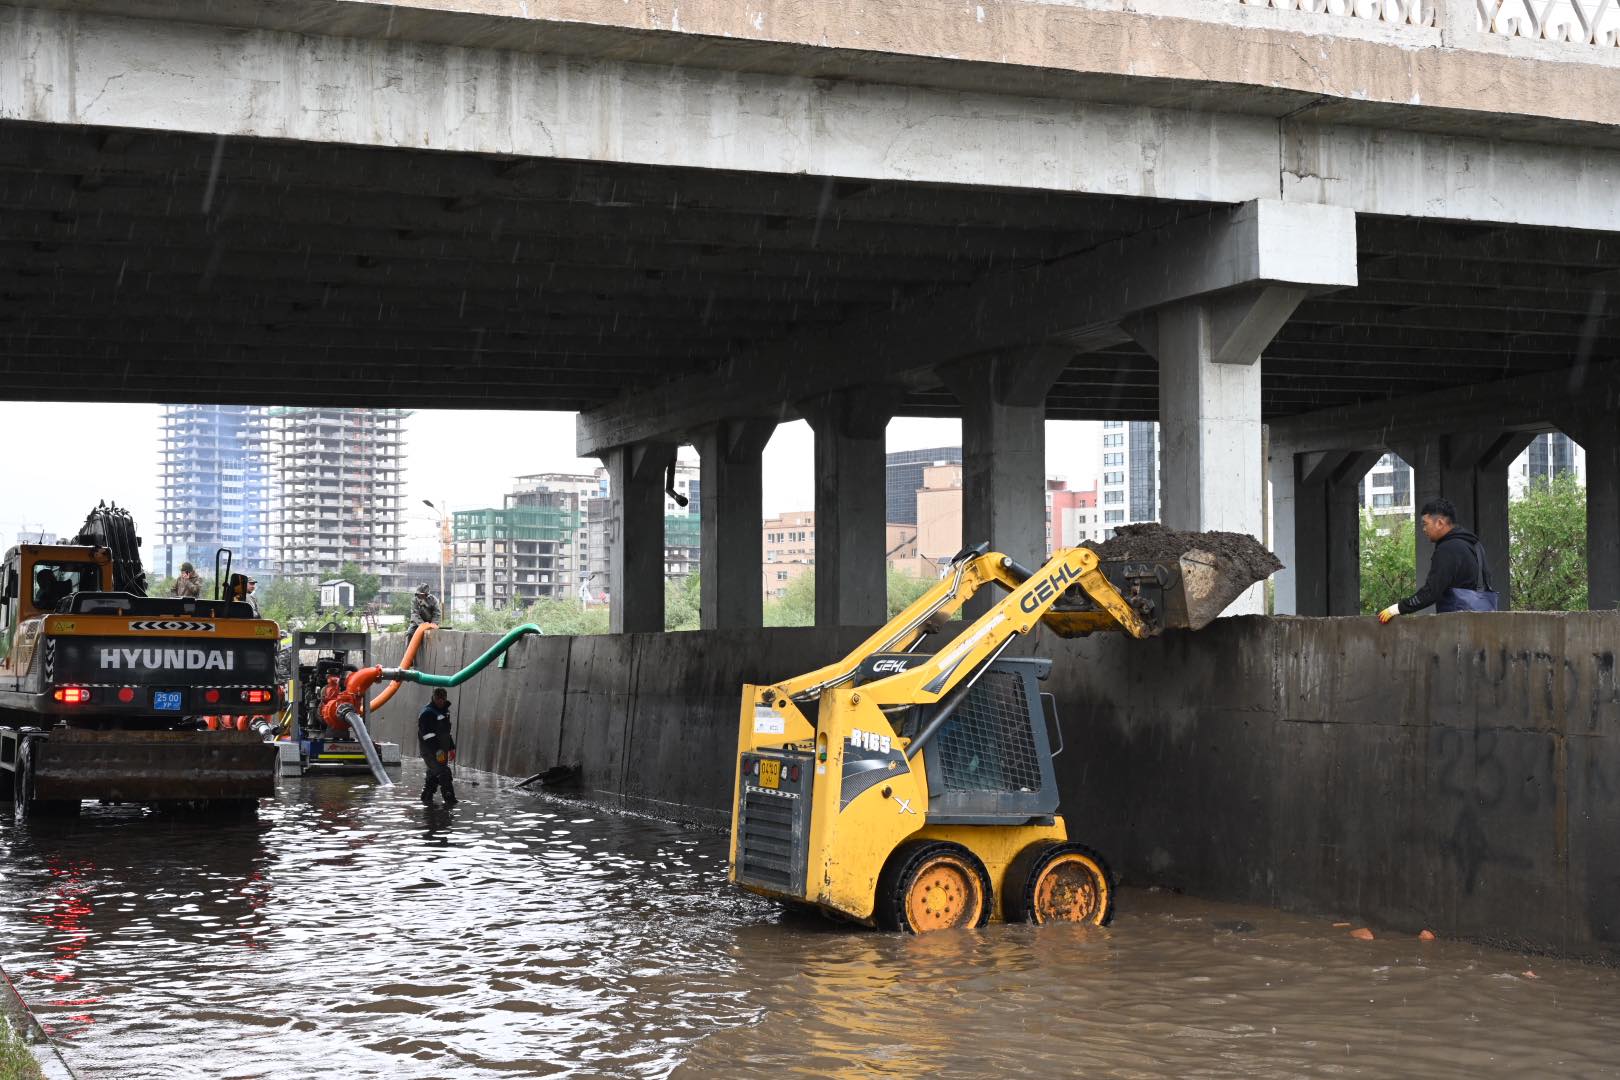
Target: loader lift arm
(1032,598)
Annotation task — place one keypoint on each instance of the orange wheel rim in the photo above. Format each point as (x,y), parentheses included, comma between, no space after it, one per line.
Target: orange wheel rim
(945,894)
(1070,889)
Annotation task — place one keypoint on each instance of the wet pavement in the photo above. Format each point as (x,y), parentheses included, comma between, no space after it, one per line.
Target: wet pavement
(351,932)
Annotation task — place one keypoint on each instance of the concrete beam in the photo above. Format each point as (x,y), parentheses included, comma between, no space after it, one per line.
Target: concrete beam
(1260,244)
(186,76)
(1397,173)
(1264,61)
(851,575)
(730,500)
(1530,403)
(636,536)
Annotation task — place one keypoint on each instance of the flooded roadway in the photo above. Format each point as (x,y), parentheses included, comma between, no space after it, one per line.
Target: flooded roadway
(350,932)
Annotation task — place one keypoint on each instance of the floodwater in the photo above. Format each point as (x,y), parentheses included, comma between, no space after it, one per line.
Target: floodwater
(352,933)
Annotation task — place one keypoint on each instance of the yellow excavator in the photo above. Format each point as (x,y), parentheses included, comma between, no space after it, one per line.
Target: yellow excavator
(914,790)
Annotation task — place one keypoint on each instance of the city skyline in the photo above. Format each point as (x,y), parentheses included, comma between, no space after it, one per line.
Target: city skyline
(459,459)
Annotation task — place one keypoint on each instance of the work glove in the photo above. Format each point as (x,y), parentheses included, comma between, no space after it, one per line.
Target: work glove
(452,755)
(1389,613)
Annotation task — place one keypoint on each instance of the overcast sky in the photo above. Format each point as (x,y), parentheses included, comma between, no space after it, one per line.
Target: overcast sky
(79,454)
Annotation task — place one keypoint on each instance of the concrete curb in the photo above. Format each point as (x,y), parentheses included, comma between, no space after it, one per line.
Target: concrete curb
(16,1016)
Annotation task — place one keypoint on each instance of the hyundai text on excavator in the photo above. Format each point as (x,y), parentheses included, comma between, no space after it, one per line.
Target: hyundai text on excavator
(914,790)
(102,688)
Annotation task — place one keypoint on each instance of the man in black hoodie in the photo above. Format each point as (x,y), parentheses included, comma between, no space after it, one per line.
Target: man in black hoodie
(438,746)
(1458,579)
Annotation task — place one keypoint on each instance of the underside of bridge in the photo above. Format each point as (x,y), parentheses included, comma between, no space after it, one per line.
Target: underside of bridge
(672,305)
(143,266)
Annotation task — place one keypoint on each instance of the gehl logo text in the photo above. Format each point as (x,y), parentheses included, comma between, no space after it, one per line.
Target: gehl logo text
(1053,584)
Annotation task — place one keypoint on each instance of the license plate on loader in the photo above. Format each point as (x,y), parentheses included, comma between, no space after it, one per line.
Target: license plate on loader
(770,774)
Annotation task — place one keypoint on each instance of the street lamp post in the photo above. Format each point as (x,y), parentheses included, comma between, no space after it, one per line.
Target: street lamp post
(444,547)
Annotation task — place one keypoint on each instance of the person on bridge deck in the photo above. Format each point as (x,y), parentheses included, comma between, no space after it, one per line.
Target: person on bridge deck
(1459,579)
(424,609)
(438,747)
(188,586)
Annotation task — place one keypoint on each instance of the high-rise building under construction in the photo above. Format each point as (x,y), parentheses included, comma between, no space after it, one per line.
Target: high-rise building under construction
(212,488)
(335,487)
(293,491)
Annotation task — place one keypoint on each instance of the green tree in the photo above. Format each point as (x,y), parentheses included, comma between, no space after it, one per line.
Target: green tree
(904,590)
(797,607)
(567,618)
(366,586)
(286,599)
(1547,546)
(683,603)
(1388,560)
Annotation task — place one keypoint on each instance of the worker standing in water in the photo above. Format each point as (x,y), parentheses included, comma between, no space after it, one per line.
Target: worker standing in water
(438,747)
(1459,579)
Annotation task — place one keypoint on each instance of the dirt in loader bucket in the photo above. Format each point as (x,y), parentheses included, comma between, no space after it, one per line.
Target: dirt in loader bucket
(1205,571)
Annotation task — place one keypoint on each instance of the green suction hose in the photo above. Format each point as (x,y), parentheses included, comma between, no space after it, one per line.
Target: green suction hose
(495,650)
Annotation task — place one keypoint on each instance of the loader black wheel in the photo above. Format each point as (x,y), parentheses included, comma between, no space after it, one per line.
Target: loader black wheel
(1053,882)
(930,885)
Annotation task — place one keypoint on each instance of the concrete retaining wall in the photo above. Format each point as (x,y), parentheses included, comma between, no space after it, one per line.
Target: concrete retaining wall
(1458,773)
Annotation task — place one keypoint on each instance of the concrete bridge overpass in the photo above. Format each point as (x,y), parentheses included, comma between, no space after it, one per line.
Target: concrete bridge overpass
(1391,226)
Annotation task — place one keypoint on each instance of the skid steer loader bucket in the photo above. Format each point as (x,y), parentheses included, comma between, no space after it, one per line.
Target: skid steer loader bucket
(1182,580)
(1209,583)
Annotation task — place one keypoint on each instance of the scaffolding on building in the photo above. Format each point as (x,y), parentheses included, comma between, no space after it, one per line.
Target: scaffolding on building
(336,478)
(517,554)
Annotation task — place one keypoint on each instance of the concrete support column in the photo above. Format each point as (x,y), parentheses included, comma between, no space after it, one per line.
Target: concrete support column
(1471,470)
(636,536)
(730,508)
(1283,525)
(1327,531)
(1427,483)
(851,580)
(1209,409)
(1600,438)
(1003,400)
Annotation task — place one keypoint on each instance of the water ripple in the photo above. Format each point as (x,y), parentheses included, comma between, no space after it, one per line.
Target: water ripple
(352,933)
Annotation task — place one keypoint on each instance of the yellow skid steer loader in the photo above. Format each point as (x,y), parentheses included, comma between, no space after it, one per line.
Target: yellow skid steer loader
(914,790)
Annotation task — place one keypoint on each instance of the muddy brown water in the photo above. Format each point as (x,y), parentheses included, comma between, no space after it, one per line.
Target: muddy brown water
(351,933)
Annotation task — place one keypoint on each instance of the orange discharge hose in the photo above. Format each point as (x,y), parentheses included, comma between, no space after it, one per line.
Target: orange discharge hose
(404,662)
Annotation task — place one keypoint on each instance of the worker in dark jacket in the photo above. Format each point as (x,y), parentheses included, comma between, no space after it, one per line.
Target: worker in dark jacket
(424,609)
(1459,579)
(438,748)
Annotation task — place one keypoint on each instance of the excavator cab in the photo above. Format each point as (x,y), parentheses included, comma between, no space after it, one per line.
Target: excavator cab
(915,790)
